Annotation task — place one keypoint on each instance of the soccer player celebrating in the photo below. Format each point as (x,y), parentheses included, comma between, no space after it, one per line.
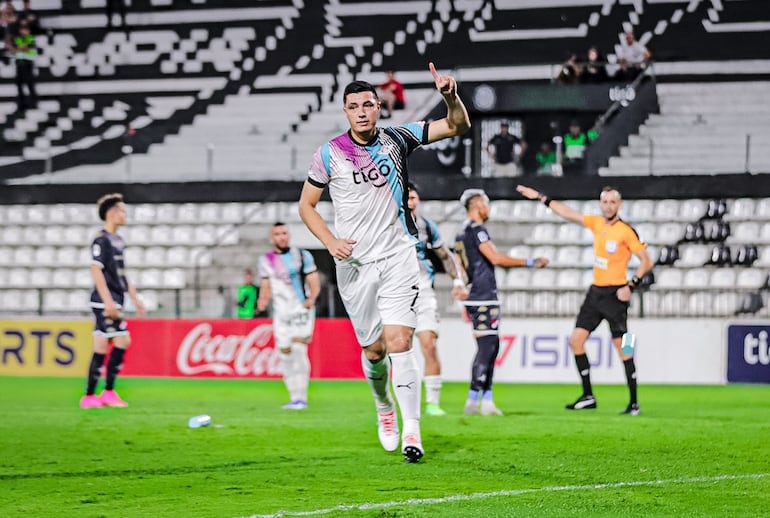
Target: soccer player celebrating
(290,278)
(110,285)
(608,298)
(479,257)
(374,247)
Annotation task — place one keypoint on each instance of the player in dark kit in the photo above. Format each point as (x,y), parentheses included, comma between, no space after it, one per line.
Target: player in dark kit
(110,285)
(479,257)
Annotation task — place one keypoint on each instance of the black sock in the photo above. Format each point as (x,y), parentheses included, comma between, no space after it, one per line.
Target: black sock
(631,378)
(113,366)
(584,369)
(484,363)
(97,360)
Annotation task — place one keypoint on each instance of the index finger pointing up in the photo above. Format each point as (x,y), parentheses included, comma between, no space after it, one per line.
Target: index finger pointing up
(433,70)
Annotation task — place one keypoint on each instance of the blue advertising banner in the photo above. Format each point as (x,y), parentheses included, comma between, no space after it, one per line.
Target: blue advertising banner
(748,355)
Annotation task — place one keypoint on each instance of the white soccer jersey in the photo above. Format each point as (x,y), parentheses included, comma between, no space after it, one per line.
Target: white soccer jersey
(367,184)
(286,282)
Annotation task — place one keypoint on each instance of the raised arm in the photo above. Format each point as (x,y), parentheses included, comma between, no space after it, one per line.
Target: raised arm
(457,120)
(559,208)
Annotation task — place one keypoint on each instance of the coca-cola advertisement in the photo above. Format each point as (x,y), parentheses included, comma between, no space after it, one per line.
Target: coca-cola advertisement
(234,349)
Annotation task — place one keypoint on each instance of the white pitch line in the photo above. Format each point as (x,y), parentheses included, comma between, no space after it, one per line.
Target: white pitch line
(509,492)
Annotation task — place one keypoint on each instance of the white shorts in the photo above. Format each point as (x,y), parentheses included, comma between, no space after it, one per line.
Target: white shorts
(383,292)
(427,306)
(293,324)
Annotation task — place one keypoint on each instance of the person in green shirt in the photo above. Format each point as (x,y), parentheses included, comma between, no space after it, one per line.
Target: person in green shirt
(25,53)
(248,294)
(546,159)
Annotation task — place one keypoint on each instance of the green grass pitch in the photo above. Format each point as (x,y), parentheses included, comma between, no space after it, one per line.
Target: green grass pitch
(694,451)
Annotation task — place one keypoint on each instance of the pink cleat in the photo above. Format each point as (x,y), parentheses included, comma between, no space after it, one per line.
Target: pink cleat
(111,398)
(91,401)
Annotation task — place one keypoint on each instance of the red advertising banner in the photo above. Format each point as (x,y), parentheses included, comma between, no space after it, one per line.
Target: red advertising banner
(234,349)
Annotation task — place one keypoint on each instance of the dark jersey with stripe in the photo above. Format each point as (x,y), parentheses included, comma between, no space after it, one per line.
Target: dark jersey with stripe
(107,251)
(481,272)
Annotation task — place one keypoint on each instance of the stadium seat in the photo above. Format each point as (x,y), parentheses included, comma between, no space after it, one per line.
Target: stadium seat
(543,278)
(642,211)
(567,256)
(69,256)
(669,233)
(693,255)
(40,277)
(150,278)
(667,210)
(569,279)
(543,233)
(153,256)
(696,278)
(742,209)
(82,278)
(63,277)
(691,210)
(518,278)
(549,252)
(55,301)
(520,251)
(174,278)
(746,232)
(750,278)
(24,256)
(6,256)
(723,278)
(544,303)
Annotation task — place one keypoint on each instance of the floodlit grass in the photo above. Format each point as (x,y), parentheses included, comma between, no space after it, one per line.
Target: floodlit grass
(694,451)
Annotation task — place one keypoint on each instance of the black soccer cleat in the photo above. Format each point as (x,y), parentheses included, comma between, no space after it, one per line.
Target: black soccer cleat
(632,409)
(584,402)
(412,448)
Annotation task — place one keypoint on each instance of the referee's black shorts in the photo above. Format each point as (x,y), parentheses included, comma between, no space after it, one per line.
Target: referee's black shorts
(601,303)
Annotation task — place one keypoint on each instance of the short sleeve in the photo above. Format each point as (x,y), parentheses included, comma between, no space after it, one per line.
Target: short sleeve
(481,235)
(592,222)
(99,251)
(318,174)
(262,270)
(309,262)
(635,244)
(415,134)
(436,241)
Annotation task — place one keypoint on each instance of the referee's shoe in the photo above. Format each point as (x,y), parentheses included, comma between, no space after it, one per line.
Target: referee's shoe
(584,402)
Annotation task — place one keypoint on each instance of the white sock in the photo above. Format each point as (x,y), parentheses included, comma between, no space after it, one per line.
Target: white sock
(407,386)
(289,373)
(378,377)
(432,389)
(301,371)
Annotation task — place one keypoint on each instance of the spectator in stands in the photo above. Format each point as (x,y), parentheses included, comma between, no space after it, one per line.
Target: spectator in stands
(30,16)
(506,149)
(594,70)
(110,9)
(608,298)
(248,294)
(632,58)
(569,73)
(575,143)
(8,29)
(110,287)
(290,278)
(392,95)
(377,267)
(480,257)
(430,248)
(546,159)
(25,53)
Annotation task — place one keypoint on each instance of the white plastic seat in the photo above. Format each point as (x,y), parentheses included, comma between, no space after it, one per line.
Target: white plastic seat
(163,235)
(203,235)
(78,299)
(746,232)
(587,257)
(764,234)
(569,233)
(153,256)
(144,213)
(82,278)
(742,209)
(543,278)
(136,235)
(569,279)
(543,233)
(667,210)
(174,278)
(723,278)
(150,278)
(725,304)
(68,256)
(208,213)
(750,278)
(762,209)
(697,278)
(518,278)
(233,212)
(546,251)
(55,301)
(587,279)
(568,256)
(24,256)
(45,256)
(166,213)
(187,213)
(642,210)
(646,232)
(16,214)
(178,256)
(6,256)
(701,303)
(692,210)
(133,256)
(39,277)
(544,303)
(693,255)
(501,210)
(522,210)
(669,233)
(520,251)
(764,257)
(63,277)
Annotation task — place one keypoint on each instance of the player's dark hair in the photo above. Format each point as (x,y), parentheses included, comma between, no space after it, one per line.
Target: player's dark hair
(357,87)
(106,202)
(279,224)
(413,187)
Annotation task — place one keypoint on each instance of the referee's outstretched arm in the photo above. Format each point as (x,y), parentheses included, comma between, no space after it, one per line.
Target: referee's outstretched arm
(559,208)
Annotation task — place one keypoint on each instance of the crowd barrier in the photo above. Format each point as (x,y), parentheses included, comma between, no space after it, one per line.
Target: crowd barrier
(697,351)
